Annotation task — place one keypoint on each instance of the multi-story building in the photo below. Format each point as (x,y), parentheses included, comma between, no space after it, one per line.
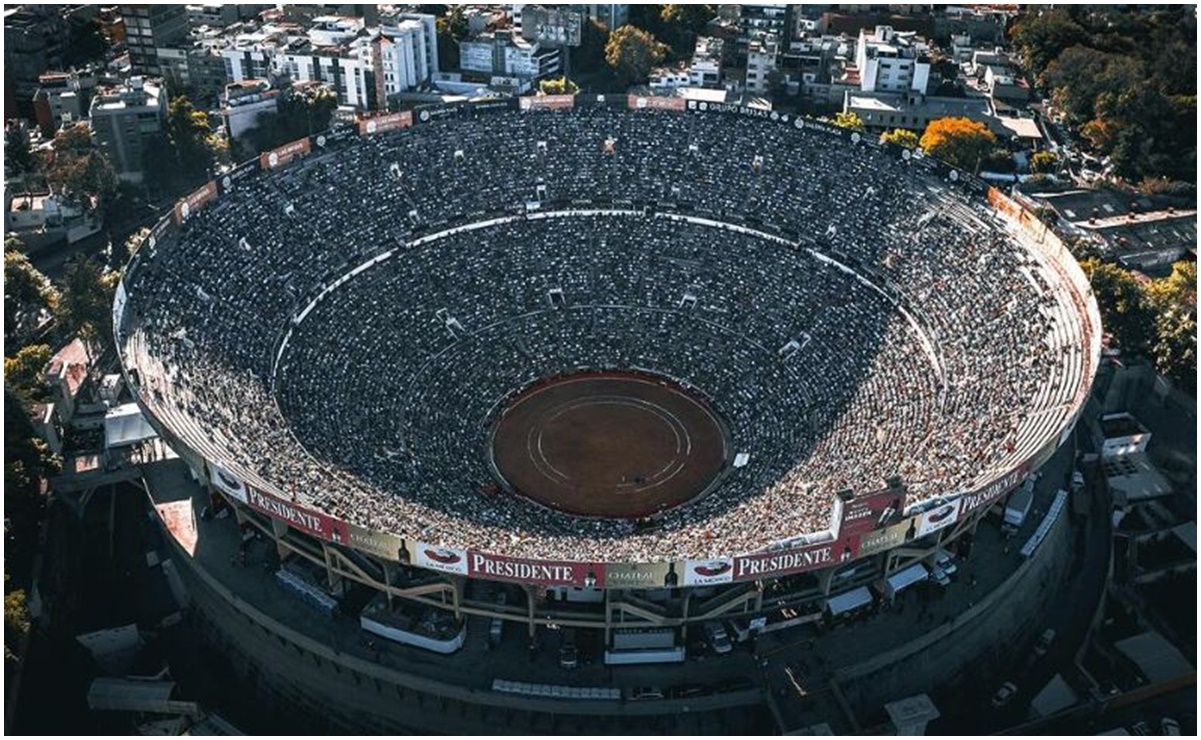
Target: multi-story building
(62,97)
(148,27)
(212,15)
(124,118)
(892,61)
(504,52)
(34,38)
(705,68)
(363,65)
(762,64)
(243,102)
(759,22)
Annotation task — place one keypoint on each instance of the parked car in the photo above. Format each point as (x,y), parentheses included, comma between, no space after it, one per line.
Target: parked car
(719,640)
(1044,642)
(643,693)
(946,561)
(939,576)
(1004,694)
(569,655)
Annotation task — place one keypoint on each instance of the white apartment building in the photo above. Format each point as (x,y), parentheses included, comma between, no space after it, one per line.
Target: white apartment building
(889,61)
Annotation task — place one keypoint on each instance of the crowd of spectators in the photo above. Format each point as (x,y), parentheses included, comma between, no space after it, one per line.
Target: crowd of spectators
(850,316)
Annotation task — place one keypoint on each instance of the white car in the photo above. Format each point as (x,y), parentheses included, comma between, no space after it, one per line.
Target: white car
(719,640)
(944,560)
(1004,694)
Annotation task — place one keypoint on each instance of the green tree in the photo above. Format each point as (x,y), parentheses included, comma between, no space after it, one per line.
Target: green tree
(1175,346)
(1042,34)
(18,157)
(1044,161)
(451,29)
(73,140)
(26,290)
(27,460)
(1126,310)
(85,302)
(16,622)
(901,137)
(192,141)
(301,111)
(23,371)
(632,53)
(680,25)
(87,42)
(849,119)
(589,58)
(960,142)
(558,86)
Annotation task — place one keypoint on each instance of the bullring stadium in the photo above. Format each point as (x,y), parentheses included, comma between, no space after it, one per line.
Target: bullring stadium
(645,364)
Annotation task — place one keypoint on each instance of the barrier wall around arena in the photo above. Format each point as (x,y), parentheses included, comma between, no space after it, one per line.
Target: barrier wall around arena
(866,526)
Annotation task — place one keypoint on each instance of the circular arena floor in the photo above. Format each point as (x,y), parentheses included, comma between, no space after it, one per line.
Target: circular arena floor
(608,445)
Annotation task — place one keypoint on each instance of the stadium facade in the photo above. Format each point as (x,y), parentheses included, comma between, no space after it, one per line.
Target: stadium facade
(427,585)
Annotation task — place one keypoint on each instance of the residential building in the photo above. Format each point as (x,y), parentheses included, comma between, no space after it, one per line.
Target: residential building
(503,52)
(148,27)
(212,15)
(666,78)
(892,61)
(705,69)
(34,39)
(762,64)
(244,102)
(62,97)
(124,118)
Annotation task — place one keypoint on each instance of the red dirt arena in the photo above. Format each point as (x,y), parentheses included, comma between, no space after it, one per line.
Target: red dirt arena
(611,445)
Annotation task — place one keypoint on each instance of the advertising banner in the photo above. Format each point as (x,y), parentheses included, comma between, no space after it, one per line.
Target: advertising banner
(178,519)
(983,496)
(654,102)
(640,575)
(281,156)
(384,123)
(940,517)
(797,560)
(227,483)
(435,112)
(195,201)
(871,511)
(880,540)
(491,106)
(298,517)
(705,572)
(539,572)
(229,181)
(547,102)
(445,559)
(385,546)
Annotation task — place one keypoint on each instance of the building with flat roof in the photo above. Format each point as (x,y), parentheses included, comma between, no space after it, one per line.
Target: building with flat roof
(124,118)
(148,27)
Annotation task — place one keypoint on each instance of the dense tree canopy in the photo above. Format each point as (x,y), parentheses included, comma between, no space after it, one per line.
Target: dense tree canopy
(85,302)
(1175,346)
(1044,161)
(1125,79)
(1126,311)
(849,120)
(18,158)
(680,25)
(302,110)
(632,53)
(23,371)
(901,137)
(26,290)
(961,142)
(558,86)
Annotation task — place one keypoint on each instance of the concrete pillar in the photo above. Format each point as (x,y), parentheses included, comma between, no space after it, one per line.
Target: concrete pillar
(911,715)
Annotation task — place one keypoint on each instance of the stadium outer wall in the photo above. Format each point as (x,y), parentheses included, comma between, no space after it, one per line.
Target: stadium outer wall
(272,517)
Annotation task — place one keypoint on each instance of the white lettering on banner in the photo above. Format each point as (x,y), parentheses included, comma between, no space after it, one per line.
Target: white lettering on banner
(287,512)
(518,570)
(765,565)
(992,490)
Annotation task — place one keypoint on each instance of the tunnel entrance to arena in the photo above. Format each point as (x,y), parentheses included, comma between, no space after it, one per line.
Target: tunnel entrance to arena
(615,445)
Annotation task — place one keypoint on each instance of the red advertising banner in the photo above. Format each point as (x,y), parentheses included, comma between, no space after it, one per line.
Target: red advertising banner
(652,102)
(281,156)
(796,560)
(306,520)
(994,490)
(547,102)
(389,122)
(539,572)
(872,511)
(194,201)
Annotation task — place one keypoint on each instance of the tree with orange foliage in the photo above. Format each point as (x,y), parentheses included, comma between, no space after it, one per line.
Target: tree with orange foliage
(961,142)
